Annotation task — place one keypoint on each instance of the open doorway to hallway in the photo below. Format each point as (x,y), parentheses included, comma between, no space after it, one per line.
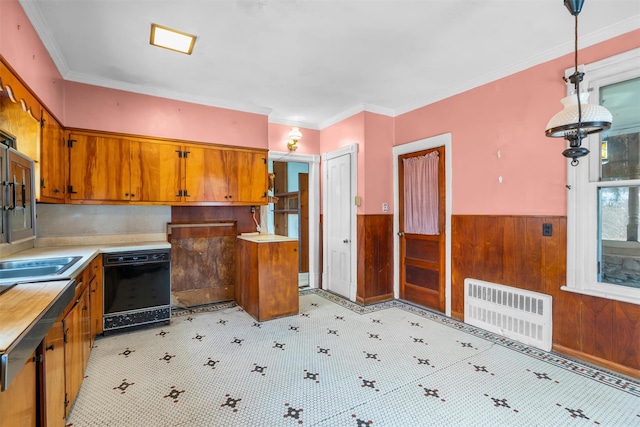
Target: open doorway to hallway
(288,210)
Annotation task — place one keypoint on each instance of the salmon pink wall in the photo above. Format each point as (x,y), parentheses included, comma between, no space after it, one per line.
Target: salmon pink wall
(99,108)
(25,53)
(343,134)
(507,116)
(377,150)
(279,136)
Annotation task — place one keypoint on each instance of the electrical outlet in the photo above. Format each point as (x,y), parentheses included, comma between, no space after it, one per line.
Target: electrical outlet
(253,209)
(385,207)
(547,229)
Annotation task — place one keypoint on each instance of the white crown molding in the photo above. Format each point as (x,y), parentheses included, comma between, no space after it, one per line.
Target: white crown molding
(161,93)
(42,29)
(355,110)
(286,122)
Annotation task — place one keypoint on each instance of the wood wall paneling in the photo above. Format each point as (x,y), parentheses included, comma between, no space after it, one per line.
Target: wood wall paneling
(375,258)
(240,214)
(512,251)
(203,264)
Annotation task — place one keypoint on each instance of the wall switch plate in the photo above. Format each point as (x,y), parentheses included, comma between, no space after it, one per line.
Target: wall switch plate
(358,201)
(547,229)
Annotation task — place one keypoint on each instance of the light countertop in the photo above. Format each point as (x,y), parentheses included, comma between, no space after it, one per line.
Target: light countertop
(87,252)
(266,238)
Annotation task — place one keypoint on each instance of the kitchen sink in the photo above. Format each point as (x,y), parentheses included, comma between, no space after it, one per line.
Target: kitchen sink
(36,267)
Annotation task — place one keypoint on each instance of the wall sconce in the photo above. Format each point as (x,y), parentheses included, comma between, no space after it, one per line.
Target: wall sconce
(578,118)
(294,136)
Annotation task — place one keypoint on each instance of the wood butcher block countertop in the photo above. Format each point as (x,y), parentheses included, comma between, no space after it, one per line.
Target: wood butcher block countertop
(23,304)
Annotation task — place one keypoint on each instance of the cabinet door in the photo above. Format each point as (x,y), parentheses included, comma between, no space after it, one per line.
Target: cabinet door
(73,354)
(95,295)
(206,179)
(85,326)
(249,170)
(155,171)
(53,161)
(18,402)
(54,376)
(99,168)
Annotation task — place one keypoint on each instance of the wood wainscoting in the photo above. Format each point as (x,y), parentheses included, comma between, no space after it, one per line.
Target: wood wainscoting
(375,258)
(241,215)
(512,251)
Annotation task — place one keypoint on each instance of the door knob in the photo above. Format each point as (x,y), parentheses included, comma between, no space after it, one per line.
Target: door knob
(400,233)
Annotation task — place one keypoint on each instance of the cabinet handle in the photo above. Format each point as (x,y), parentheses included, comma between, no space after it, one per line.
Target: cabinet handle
(55,190)
(133,195)
(126,194)
(51,347)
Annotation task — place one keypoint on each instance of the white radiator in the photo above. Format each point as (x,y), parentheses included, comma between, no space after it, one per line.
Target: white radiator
(518,314)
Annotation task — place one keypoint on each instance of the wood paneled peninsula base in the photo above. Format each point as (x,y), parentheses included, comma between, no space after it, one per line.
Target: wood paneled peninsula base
(267,275)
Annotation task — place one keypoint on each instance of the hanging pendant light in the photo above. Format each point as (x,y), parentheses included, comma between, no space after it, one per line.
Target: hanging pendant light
(578,118)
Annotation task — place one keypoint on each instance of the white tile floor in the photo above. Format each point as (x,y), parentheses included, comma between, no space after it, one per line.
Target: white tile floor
(339,364)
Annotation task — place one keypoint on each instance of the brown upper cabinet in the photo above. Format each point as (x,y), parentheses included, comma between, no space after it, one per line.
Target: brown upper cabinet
(227,176)
(99,169)
(107,168)
(53,161)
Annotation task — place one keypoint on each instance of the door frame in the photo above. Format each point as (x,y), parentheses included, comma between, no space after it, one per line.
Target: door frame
(352,151)
(314,207)
(411,147)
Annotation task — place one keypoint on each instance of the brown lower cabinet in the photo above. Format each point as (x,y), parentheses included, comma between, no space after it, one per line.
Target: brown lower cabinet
(18,403)
(53,378)
(267,276)
(67,346)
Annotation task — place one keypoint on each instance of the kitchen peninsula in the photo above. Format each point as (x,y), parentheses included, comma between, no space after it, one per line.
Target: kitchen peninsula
(267,275)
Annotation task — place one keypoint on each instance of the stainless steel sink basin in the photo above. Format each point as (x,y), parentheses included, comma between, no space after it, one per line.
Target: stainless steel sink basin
(36,267)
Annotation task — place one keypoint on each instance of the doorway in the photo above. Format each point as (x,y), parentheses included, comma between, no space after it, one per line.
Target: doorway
(297,210)
(289,209)
(421,245)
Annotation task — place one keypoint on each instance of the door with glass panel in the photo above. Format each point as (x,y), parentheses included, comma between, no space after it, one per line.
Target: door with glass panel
(619,186)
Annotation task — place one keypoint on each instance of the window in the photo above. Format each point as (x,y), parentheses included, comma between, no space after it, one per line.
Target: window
(603,212)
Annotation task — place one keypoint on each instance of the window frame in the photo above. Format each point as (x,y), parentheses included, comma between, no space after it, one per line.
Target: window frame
(583,184)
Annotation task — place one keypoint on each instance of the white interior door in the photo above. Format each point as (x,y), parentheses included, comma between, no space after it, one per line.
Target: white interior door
(338,224)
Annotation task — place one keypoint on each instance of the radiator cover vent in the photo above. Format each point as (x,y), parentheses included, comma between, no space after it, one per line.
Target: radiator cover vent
(518,314)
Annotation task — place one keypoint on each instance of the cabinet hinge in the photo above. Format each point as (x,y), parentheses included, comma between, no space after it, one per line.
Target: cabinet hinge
(264,194)
(42,183)
(64,336)
(179,193)
(186,154)
(42,122)
(70,143)
(70,190)
(179,153)
(264,160)
(38,358)
(66,400)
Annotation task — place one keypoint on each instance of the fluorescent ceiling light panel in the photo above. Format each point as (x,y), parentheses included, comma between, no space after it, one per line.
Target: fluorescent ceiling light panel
(172,39)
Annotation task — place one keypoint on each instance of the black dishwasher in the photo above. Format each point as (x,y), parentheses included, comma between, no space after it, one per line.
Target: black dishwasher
(137,288)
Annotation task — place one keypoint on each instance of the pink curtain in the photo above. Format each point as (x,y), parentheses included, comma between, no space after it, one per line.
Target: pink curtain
(421,194)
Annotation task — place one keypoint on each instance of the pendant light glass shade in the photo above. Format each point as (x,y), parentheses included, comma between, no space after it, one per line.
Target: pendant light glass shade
(595,118)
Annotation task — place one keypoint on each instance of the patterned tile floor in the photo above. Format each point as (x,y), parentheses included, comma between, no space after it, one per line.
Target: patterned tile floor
(340,364)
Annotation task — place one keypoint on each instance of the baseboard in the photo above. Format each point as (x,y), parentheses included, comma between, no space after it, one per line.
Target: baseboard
(594,360)
(373,300)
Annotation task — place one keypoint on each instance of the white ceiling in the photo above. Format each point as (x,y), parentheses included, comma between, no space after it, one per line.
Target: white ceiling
(312,62)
